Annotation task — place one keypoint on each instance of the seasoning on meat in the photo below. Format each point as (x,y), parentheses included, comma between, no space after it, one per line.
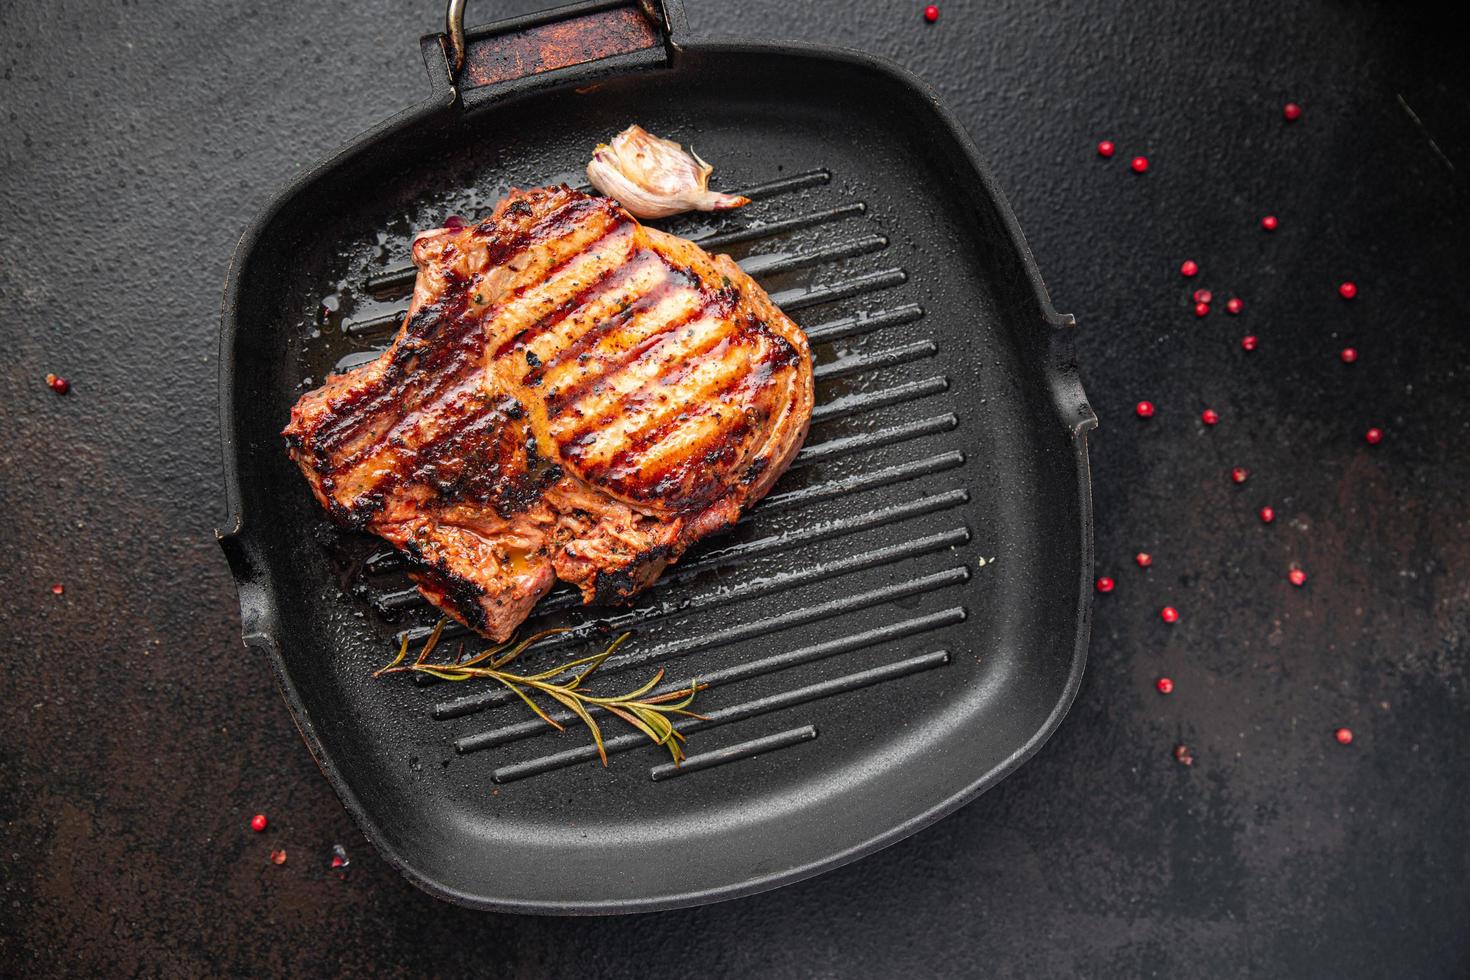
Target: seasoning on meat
(572,395)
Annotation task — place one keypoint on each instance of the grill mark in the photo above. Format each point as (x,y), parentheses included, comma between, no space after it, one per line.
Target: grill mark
(500,248)
(595,374)
(639,442)
(644,303)
(684,404)
(449,418)
(588,424)
(753,385)
(613,365)
(640,478)
(441,374)
(737,397)
(581,298)
(434,328)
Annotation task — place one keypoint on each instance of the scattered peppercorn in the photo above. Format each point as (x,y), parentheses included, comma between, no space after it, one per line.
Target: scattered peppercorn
(1374,436)
(1144,410)
(1240,474)
(1183,756)
(1344,736)
(1348,355)
(1169,614)
(1269,222)
(1165,685)
(1297,577)
(1189,268)
(257,823)
(1203,296)
(1209,416)
(1233,306)
(1291,111)
(57,588)
(1105,148)
(1144,559)
(58,384)
(1139,164)
(1348,290)
(1202,309)
(931,13)
(1248,342)
(1267,515)
(278,857)
(1105,585)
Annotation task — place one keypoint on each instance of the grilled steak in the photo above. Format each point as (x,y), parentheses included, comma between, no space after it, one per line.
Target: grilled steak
(572,395)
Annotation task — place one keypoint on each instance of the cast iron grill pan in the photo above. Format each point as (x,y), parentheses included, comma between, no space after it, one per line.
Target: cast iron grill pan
(900,622)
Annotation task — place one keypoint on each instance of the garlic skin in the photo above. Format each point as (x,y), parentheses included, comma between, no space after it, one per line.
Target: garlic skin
(654,177)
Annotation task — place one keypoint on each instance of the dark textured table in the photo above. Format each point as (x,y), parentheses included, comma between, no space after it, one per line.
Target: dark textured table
(137,737)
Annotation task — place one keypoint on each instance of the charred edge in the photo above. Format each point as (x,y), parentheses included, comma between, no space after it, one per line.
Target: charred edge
(610,588)
(357,515)
(455,595)
(524,492)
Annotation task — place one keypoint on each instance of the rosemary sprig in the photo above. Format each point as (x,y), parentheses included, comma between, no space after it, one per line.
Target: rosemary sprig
(649,715)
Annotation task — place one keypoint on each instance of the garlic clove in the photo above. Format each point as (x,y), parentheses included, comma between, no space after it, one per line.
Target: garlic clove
(654,177)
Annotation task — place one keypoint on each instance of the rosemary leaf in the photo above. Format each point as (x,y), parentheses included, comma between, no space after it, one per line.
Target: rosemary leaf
(640,709)
(533,705)
(402,654)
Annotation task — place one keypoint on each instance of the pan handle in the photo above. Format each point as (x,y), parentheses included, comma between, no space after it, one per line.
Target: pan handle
(454,27)
(578,42)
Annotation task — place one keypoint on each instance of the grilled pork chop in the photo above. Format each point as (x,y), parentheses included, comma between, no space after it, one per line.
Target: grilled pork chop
(572,395)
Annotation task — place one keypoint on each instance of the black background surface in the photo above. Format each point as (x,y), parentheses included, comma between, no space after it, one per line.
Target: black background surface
(137,737)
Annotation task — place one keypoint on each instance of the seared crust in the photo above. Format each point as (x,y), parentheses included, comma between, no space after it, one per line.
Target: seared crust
(571,395)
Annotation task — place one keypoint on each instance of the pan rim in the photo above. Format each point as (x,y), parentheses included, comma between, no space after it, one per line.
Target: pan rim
(258,614)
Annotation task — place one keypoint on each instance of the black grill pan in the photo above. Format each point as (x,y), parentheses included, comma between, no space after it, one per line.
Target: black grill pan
(898,626)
